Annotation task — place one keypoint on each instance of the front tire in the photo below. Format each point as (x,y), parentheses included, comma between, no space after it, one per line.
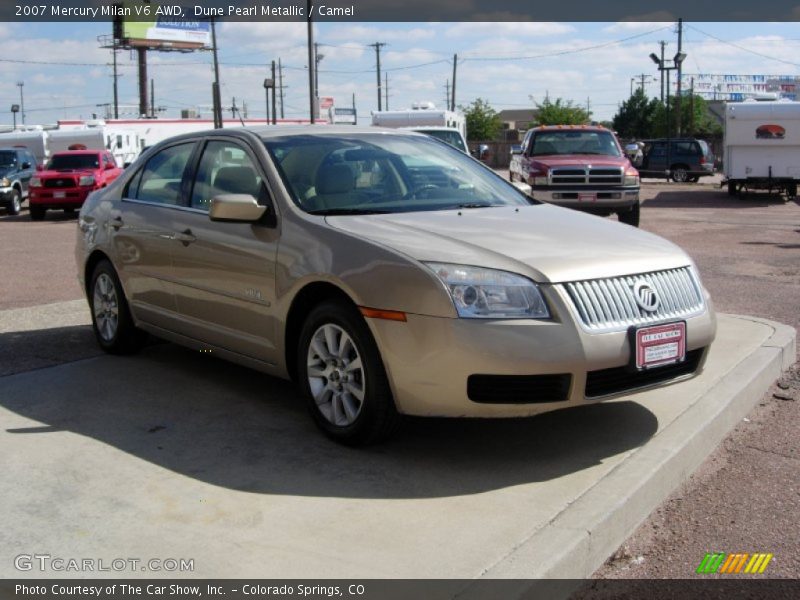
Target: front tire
(630,217)
(342,375)
(15,204)
(111,319)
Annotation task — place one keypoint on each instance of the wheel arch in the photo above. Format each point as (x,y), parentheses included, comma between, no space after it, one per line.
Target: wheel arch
(307,298)
(88,268)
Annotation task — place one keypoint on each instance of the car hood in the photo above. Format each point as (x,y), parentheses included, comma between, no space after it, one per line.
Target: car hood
(6,170)
(66,173)
(547,243)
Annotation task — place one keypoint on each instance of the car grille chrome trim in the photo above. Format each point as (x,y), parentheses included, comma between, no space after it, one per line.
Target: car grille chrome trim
(586,175)
(605,305)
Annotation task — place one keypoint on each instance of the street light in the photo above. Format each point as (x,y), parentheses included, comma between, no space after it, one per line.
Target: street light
(14,111)
(662,66)
(268,84)
(20,85)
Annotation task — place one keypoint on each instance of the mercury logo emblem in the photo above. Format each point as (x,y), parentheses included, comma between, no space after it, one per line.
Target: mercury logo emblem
(646,296)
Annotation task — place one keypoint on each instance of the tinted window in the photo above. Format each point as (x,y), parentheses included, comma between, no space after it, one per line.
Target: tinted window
(448,136)
(685,148)
(160,180)
(8,159)
(575,141)
(225,168)
(69,162)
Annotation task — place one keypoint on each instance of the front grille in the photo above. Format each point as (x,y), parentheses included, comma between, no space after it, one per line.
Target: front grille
(518,389)
(584,176)
(610,304)
(622,379)
(67,182)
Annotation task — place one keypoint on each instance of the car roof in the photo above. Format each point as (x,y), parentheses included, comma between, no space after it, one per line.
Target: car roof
(571,127)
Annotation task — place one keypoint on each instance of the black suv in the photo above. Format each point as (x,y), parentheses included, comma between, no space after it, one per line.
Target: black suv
(17,166)
(688,159)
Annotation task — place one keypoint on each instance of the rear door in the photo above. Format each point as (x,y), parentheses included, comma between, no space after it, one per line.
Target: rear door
(143,233)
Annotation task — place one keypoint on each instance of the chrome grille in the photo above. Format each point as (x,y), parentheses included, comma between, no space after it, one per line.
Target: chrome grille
(588,175)
(610,304)
(61,182)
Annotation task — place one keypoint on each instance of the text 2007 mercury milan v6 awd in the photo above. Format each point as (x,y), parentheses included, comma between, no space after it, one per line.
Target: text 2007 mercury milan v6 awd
(387,273)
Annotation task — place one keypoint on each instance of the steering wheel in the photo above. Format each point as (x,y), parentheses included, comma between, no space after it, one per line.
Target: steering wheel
(413,193)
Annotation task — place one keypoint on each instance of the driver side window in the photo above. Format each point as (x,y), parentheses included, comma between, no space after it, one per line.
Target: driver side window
(225,168)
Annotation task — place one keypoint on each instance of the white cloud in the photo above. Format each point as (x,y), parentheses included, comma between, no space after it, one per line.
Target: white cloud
(502,30)
(635,26)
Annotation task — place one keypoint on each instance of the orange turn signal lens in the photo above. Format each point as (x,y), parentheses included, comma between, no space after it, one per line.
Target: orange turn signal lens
(376,313)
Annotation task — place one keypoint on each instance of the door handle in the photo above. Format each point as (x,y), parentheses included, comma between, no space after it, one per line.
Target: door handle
(116,223)
(185,237)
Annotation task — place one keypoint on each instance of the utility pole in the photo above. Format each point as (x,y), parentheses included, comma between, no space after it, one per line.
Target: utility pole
(378,46)
(386,89)
(678,98)
(317,57)
(453,91)
(280,80)
(588,106)
(311,69)
(663,43)
(20,85)
(447,94)
(116,92)
(274,104)
(691,109)
(215,91)
(152,99)
(233,107)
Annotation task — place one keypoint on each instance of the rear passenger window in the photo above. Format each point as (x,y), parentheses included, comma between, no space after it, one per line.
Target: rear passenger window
(225,169)
(160,179)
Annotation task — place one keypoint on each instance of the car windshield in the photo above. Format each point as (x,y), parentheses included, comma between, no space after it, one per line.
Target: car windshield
(571,141)
(67,162)
(8,159)
(384,173)
(448,136)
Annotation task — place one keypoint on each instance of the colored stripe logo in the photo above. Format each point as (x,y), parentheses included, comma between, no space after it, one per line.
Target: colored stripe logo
(720,562)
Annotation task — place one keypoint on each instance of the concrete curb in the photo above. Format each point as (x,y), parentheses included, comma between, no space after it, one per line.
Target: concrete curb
(580,538)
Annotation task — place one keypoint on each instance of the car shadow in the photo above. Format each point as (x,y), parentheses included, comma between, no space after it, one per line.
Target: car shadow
(233,427)
(712,199)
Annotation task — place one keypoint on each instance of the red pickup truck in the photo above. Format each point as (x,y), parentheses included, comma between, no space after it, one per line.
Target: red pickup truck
(68,179)
(578,166)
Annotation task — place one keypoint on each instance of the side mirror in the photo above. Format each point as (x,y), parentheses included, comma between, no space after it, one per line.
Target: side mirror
(516,149)
(483,152)
(110,166)
(235,207)
(523,187)
(40,167)
(26,165)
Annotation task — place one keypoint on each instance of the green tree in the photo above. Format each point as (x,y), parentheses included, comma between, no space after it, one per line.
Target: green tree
(561,112)
(636,118)
(483,122)
(696,119)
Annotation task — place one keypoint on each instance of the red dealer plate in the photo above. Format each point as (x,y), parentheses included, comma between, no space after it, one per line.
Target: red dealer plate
(587,197)
(660,345)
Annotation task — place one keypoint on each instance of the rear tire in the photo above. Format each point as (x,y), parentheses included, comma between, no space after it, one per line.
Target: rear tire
(732,188)
(111,318)
(680,173)
(343,378)
(37,213)
(630,217)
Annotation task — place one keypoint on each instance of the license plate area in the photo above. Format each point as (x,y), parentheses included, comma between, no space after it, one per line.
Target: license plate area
(659,345)
(587,197)
(59,194)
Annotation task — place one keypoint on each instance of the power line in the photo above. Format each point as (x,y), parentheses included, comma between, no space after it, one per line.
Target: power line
(742,48)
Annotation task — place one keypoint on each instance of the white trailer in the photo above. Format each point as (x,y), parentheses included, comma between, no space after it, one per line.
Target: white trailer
(762,147)
(34,139)
(426,118)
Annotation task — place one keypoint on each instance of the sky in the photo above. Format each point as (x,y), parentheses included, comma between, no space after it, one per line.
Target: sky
(511,65)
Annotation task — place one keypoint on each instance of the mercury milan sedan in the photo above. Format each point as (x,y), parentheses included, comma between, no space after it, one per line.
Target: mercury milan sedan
(386,273)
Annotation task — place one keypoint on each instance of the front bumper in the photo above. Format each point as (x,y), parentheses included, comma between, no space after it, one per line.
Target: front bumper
(587,198)
(6,193)
(58,197)
(429,361)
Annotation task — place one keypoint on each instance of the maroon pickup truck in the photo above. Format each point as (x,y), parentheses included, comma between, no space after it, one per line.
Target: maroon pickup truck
(581,167)
(68,179)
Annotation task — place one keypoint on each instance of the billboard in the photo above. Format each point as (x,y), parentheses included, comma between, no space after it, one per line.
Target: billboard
(167,32)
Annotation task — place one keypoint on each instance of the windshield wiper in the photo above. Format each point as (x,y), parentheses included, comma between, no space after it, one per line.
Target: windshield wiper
(476,205)
(347,211)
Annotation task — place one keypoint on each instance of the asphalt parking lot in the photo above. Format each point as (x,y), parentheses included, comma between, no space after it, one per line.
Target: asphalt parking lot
(748,252)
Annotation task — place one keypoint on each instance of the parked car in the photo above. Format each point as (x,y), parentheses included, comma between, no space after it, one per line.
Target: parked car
(687,159)
(69,178)
(580,167)
(387,273)
(449,135)
(17,166)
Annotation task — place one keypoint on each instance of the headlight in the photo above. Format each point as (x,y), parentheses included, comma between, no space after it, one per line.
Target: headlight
(491,294)
(631,178)
(540,180)
(86,180)
(5,182)
(34,182)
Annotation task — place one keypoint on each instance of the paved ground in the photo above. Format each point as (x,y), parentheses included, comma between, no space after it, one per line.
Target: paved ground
(749,256)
